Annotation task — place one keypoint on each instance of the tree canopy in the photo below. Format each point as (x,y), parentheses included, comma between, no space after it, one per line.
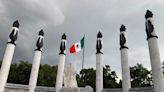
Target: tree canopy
(140,76)
(20,73)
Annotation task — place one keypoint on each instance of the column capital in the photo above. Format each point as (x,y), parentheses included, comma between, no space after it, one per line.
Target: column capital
(99,43)
(39,43)
(63,44)
(123,38)
(150,25)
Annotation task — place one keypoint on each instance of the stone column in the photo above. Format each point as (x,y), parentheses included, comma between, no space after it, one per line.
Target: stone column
(99,64)
(157,74)
(7,59)
(36,63)
(60,72)
(126,84)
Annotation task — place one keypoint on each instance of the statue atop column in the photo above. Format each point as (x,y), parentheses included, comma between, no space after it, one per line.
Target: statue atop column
(123,42)
(60,71)
(126,85)
(150,25)
(99,43)
(14,33)
(63,45)
(8,55)
(99,63)
(155,59)
(39,43)
(36,62)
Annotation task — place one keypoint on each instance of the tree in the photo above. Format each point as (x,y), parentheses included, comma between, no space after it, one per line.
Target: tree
(13,75)
(47,75)
(140,76)
(88,77)
(20,73)
(109,78)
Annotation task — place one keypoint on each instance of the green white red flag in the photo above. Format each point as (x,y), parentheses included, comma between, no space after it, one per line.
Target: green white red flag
(77,46)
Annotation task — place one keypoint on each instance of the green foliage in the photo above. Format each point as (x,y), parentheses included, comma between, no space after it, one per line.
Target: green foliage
(20,73)
(88,77)
(47,75)
(140,76)
(109,78)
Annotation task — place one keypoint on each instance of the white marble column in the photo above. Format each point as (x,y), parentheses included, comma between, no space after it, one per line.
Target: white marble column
(99,72)
(99,64)
(158,79)
(126,84)
(36,63)
(7,59)
(60,71)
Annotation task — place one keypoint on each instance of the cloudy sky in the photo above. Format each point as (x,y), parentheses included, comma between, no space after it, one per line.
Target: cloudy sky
(76,18)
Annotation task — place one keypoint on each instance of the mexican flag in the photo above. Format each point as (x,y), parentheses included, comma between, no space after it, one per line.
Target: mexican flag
(77,46)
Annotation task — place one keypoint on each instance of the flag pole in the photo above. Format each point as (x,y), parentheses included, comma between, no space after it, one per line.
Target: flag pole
(83,53)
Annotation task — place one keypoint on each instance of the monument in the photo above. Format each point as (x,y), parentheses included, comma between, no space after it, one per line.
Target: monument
(99,63)
(36,63)
(60,71)
(154,53)
(126,85)
(69,73)
(7,59)
(70,76)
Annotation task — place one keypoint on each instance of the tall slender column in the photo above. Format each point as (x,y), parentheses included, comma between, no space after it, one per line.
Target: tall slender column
(158,80)
(124,60)
(7,59)
(36,63)
(60,72)
(99,63)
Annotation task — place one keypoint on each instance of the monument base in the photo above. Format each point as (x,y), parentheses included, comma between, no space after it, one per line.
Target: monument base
(86,89)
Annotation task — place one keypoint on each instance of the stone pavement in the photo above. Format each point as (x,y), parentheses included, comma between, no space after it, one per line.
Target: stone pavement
(24,88)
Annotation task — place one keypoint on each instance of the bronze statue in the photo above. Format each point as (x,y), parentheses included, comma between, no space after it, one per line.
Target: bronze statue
(99,43)
(63,45)
(149,25)
(14,33)
(122,37)
(39,43)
